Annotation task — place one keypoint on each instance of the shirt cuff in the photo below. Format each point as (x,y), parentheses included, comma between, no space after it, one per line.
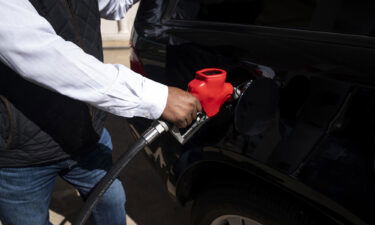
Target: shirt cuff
(154,98)
(132,94)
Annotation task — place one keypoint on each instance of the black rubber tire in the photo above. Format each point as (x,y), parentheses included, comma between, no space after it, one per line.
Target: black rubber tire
(262,205)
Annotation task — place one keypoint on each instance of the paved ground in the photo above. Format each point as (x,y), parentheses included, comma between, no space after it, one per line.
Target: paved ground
(147,201)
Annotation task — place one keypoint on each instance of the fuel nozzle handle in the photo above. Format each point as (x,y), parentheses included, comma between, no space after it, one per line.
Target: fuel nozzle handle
(210,88)
(198,123)
(212,91)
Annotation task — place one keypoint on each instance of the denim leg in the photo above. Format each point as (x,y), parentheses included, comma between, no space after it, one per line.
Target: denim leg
(88,171)
(25,194)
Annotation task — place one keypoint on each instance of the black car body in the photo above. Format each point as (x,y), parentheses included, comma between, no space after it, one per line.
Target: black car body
(306,136)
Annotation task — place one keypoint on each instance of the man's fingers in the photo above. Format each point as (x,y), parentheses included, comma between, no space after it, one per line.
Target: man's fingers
(181,124)
(198,106)
(188,121)
(194,114)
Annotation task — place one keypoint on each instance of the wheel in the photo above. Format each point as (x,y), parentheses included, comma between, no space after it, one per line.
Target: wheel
(251,206)
(234,220)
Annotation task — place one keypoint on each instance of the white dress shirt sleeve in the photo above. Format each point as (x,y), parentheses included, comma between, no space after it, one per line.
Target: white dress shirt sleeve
(30,46)
(114,9)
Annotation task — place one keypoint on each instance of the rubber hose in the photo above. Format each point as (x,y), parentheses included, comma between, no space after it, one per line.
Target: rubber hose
(107,180)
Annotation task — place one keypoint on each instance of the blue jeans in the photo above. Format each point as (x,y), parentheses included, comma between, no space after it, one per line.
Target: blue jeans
(25,193)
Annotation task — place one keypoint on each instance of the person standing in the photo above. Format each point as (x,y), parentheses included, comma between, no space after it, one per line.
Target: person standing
(54,92)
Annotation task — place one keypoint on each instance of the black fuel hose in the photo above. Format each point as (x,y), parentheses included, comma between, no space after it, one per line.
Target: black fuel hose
(151,134)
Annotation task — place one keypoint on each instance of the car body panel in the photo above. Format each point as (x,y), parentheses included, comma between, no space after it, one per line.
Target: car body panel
(318,146)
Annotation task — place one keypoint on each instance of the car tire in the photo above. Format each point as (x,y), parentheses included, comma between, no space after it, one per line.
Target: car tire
(250,206)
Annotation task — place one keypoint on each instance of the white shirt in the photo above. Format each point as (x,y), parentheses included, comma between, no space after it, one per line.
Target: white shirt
(30,46)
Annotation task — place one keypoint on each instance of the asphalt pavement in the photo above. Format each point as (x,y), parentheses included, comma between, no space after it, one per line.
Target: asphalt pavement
(148,202)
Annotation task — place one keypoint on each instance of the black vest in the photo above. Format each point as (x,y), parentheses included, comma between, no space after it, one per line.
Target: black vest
(38,126)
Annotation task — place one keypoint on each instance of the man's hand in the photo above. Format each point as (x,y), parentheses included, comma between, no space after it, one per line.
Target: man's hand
(181,108)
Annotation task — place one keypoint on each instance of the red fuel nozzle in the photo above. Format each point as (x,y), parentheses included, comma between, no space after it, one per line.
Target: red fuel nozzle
(210,88)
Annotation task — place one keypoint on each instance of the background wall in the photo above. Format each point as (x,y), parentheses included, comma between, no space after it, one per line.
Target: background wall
(118,32)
